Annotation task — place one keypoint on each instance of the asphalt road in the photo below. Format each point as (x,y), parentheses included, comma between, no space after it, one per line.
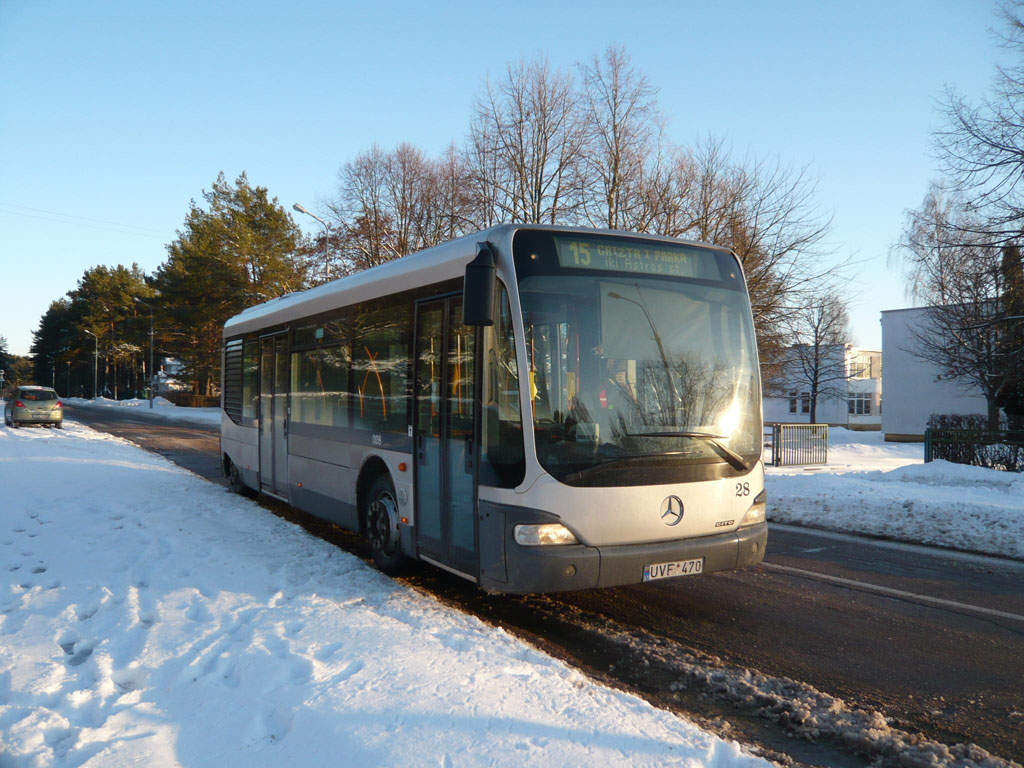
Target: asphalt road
(933,639)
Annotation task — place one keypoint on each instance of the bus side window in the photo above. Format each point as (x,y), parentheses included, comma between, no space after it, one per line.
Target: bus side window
(380,366)
(503,462)
(250,379)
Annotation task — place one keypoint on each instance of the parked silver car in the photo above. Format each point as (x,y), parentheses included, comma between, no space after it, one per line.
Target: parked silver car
(34,405)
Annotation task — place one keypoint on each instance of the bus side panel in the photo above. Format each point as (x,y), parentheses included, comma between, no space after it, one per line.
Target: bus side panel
(324,488)
(240,444)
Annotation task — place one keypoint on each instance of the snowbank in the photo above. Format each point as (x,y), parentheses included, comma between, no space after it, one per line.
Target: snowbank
(886,489)
(151,618)
(868,486)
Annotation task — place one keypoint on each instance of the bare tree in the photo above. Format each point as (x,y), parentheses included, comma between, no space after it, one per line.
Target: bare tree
(816,361)
(766,213)
(981,147)
(449,211)
(961,280)
(360,210)
(390,204)
(545,147)
(526,142)
(625,162)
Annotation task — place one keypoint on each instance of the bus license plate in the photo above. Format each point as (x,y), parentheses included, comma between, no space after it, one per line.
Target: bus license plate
(678,568)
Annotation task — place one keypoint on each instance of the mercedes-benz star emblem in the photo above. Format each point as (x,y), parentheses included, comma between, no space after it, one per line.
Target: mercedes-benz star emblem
(672,510)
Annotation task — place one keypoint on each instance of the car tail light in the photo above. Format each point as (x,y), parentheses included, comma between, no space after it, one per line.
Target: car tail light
(59,404)
(18,404)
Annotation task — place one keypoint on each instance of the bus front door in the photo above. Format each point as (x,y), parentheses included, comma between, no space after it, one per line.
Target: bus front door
(445,415)
(274,413)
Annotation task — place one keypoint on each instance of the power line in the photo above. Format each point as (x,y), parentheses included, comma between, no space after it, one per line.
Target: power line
(79,221)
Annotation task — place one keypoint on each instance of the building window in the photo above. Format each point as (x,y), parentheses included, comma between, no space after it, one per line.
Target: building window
(805,402)
(860,403)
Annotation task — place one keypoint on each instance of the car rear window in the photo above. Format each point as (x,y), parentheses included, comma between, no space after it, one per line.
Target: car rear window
(38,394)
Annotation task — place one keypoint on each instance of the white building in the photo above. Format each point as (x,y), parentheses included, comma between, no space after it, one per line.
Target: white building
(915,389)
(856,405)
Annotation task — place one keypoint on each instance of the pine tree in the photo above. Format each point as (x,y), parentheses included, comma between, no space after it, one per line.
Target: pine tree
(240,250)
(104,304)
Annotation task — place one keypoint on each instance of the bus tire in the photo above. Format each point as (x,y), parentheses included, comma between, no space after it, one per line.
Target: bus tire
(235,482)
(382,527)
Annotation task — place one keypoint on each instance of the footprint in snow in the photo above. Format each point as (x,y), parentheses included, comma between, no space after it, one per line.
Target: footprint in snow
(299,671)
(61,740)
(350,669)
(130,679)
(324,653)
(86,612)
(198,611)
(79,655)
(271,726)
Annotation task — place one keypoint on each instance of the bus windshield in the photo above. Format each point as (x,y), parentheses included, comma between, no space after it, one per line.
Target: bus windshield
(642,366)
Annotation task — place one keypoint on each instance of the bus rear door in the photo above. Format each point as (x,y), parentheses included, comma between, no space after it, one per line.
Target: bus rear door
(274,413)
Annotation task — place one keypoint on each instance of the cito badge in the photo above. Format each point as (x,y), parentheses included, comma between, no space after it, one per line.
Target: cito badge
(672,510)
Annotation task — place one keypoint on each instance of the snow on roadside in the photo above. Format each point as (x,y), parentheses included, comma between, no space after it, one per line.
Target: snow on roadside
(152,618)
(886,489)
(163,409)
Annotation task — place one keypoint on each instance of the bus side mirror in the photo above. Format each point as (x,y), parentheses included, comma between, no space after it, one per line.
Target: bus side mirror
(478,288)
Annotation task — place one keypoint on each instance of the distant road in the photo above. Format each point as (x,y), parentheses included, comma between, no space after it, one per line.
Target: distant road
(933,639)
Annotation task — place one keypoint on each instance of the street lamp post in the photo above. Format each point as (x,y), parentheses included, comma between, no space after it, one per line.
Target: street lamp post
(95,361)
(327,235)
(152,374)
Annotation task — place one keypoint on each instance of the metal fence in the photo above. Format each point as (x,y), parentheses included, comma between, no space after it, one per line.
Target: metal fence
(995,449)
(797,443)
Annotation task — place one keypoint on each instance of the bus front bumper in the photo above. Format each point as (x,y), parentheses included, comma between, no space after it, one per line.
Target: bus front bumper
(506,566)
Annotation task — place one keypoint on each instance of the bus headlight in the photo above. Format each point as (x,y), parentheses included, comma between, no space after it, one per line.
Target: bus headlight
(544,534)
(755,515)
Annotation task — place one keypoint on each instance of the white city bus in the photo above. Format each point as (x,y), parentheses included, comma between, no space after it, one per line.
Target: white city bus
(534,408)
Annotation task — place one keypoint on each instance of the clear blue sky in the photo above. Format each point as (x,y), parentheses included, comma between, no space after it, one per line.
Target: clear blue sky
(114,114)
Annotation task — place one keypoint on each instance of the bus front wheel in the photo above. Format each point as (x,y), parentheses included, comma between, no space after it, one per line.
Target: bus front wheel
(382,528)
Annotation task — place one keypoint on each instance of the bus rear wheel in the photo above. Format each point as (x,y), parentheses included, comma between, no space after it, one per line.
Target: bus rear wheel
(382,528)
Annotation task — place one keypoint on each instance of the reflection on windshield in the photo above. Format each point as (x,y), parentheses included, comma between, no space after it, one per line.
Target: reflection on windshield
(613,359)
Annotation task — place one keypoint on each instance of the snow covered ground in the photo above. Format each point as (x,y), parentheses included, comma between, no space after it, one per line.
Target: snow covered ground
(151,618)
(162,409)
(868,486)
(886,489)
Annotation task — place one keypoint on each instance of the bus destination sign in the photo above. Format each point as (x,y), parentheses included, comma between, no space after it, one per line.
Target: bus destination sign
(636,256)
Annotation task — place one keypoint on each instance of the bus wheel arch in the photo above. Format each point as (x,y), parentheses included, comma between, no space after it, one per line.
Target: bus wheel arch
(379,517)
(234,476)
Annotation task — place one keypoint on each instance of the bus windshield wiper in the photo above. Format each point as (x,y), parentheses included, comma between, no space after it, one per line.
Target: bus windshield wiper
(612,461)
(713,440)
